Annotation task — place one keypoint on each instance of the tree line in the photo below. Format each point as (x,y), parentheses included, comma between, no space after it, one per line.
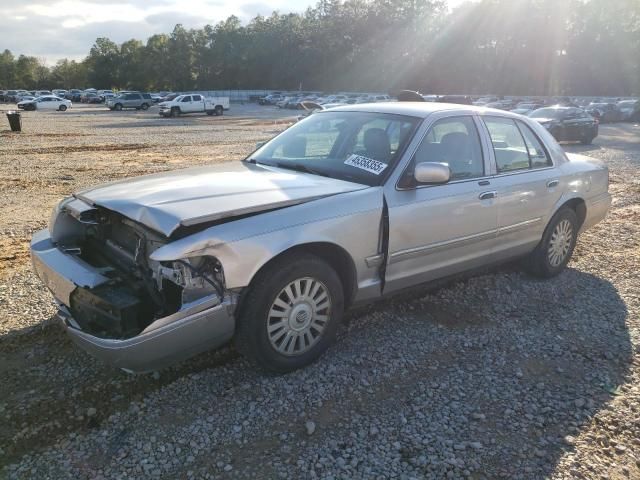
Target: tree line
(510,47)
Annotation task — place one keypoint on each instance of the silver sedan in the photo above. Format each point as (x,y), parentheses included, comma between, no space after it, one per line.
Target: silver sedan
(345,206)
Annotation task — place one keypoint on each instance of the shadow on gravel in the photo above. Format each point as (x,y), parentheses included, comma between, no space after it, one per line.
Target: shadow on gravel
(50,388)
(543,358)
(538,361)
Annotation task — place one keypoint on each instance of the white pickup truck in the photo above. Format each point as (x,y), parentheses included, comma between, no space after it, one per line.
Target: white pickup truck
(194,103)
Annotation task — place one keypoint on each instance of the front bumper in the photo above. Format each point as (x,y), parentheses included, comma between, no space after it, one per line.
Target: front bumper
(202,326)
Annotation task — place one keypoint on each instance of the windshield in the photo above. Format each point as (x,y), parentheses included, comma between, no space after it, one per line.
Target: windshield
(547,113)
(359,147)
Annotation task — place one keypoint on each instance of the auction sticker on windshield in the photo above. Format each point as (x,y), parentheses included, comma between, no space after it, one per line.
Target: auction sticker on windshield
(366,163)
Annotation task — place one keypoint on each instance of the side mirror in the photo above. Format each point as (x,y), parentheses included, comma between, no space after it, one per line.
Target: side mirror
(431,172)
(259,144)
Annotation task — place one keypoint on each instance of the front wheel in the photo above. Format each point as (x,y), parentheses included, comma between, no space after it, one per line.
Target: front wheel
(117,107)
(290,315)
(554,251)
(63,108)
(175,111)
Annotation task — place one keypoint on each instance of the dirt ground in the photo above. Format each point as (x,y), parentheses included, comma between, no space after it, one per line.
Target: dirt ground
(54,397)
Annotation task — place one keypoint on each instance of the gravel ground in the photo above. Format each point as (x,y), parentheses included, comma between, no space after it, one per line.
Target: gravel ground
(492,376)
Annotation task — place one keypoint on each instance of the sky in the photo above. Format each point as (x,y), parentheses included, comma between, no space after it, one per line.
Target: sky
(54,29)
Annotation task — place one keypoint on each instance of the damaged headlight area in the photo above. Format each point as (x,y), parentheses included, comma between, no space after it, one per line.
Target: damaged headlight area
(139,292)
(195,278)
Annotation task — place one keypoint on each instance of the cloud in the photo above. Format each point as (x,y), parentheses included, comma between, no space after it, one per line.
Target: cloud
(68,28)
(250,10)
(165,21)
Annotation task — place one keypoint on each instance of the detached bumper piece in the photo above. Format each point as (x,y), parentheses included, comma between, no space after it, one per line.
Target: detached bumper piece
(87,302)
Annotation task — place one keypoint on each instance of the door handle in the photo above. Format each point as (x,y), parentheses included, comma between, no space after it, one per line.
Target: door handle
(553,183)
(488,195)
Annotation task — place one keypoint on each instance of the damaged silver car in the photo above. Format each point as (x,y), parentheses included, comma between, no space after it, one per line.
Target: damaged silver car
(344,207)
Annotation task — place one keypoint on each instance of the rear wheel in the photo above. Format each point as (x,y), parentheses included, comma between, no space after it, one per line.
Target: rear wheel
(219,110)
(290,315)
(144,106)
(556,247)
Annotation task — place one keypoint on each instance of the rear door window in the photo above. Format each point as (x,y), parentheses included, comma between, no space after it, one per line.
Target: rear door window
(508,144)
(537,153)
(197,98)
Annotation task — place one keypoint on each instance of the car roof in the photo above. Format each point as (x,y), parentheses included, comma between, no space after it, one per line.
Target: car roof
(417,109)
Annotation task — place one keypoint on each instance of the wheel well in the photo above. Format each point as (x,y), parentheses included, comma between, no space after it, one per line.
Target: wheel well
(336,256)
(578,206)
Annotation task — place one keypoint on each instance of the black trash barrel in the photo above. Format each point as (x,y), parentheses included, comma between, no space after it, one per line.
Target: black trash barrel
(15,122)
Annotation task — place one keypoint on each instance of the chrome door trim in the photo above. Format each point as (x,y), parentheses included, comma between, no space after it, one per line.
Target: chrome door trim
(518,226)
(402,255)
(414,252)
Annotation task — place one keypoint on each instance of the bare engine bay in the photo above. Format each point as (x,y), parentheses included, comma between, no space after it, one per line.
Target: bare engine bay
(138,291)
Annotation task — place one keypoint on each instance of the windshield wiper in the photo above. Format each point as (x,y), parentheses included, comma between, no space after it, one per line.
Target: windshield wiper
(298,167)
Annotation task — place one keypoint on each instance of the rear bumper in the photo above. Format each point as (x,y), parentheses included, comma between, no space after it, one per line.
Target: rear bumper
(199,326)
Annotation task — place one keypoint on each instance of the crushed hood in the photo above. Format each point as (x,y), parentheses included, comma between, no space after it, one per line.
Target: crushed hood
(166,201)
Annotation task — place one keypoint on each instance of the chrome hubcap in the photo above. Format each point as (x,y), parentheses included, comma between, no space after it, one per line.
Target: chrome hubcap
(298,316)
(560,243)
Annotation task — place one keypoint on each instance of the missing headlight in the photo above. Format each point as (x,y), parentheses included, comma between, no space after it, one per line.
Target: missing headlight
(198,277)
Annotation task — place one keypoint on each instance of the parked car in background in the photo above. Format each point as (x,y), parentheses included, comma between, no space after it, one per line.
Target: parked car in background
(25,99)
(605,112)
(19,97)
(333,212)
(526,108)
(90,97)
(629,109)
(46,102)
(456,99)
(482,101)
(14,95)
(169,96)
(59,92)
(73,95)
(568,124)
(137,100)
(104,94)
(270,99)
(194,103)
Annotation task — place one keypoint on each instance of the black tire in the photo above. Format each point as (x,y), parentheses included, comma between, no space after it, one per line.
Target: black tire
(144,106)
(175,111)
(219,110)
(587,140)
(252,338)
(117,107)
(539,262)
(63,108)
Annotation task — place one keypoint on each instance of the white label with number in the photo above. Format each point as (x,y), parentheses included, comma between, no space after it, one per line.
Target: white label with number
(366,163)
